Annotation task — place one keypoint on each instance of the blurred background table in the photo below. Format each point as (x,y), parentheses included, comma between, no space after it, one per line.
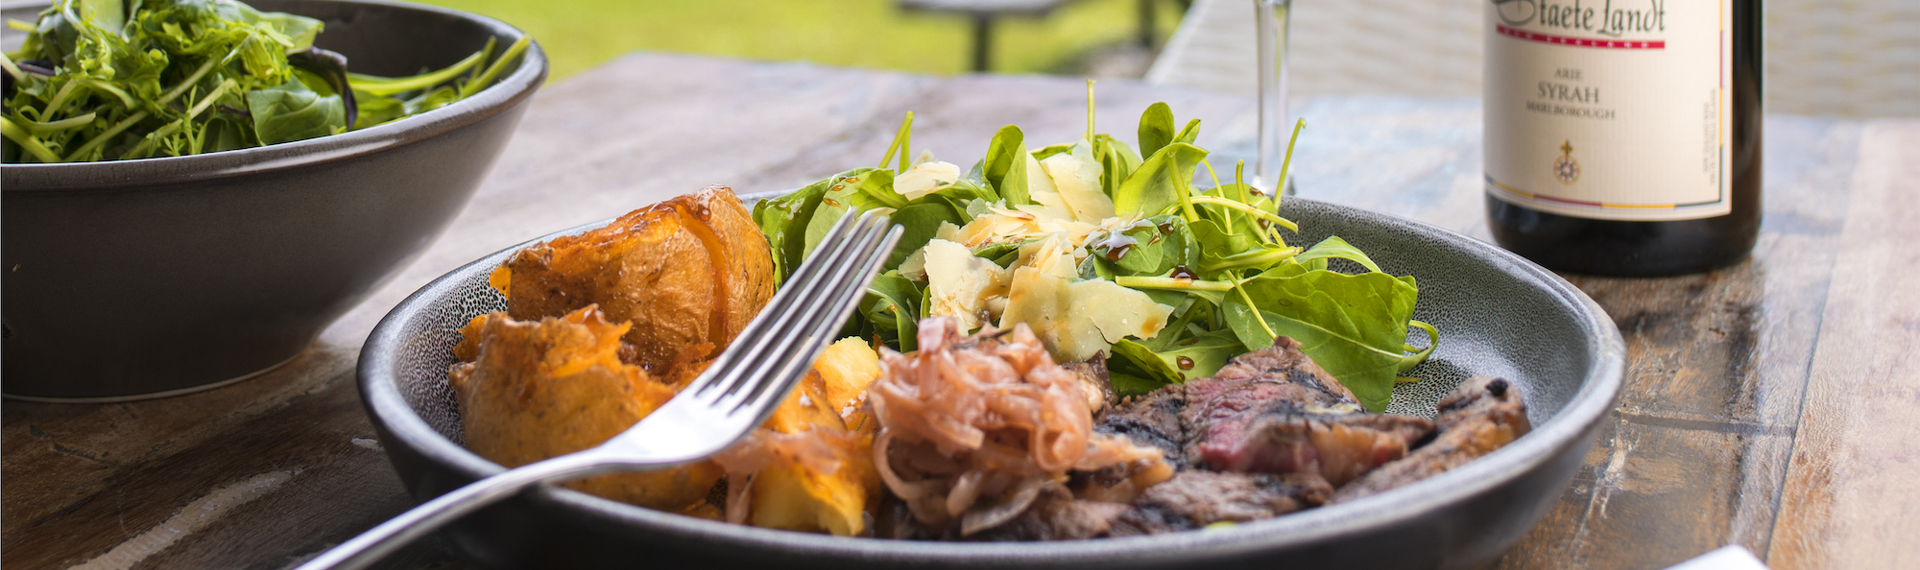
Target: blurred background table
(1770,404)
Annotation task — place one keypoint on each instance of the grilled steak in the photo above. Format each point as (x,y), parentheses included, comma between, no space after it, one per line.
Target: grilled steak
(1221,409)
(1056,515)
(1275,411)
(1337,447)
(1152,420)
(1481,415)
(1194,499)
(1094,382)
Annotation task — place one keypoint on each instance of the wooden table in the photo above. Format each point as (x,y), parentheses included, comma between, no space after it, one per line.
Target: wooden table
(1773,404)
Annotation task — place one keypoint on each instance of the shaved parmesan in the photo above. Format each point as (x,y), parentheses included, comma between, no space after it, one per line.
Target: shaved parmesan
(1076,178)
(959,284)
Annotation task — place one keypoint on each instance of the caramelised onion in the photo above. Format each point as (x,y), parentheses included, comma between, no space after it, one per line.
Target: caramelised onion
(973,428)
(905,490)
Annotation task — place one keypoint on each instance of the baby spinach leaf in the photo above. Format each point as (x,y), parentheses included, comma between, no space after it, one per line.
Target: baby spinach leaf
(108,15)
(1002,254)
(225,134)
(966,190)
(1189,133)
(1117,162)
(1005,166)
(291,112)
(1203,355)
(1043,152)
(1127,382)
(871,190)
(1354,326)
(784,221)
(973,185)
(1193,315)
(376,110)
(860,189)
(1333,247)
(331,71)
(1156,185)
(1136,371)
(1148,247)
(1156,128)
(1197,357)
(919,222)
(893,305)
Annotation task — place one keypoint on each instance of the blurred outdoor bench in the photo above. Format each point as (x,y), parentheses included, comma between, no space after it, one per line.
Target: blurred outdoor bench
(985,12)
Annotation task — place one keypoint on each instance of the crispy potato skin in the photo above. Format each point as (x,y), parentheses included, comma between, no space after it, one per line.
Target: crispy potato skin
(688,273)
(540,389)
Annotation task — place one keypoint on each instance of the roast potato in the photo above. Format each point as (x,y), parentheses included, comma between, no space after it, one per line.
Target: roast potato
(810,466)
(543,388)
(688,273)
(604,327)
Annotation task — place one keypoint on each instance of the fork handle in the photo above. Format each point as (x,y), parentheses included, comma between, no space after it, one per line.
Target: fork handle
(382,540)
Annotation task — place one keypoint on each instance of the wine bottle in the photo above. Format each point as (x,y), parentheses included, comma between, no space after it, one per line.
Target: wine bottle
(1623,137)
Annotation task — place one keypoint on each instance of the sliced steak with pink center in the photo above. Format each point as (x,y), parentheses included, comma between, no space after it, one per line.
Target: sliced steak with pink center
(1274,411)
(1480,416)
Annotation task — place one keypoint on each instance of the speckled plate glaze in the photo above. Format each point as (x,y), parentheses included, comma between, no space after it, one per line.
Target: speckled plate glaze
(1498,315)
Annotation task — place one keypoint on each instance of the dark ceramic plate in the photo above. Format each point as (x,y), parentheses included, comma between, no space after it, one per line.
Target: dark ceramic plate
(1498,314)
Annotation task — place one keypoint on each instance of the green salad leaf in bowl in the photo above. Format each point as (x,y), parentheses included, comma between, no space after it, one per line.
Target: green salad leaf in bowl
(122,79)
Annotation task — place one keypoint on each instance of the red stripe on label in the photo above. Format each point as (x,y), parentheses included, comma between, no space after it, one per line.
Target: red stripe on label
(1579,42)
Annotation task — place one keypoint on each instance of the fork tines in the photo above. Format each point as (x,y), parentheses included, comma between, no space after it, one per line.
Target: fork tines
(776,349)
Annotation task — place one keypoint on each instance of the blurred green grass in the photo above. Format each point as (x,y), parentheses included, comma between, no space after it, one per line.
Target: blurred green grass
(579,34)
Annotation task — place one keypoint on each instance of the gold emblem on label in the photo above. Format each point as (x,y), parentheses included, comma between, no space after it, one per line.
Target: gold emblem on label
(1565,168)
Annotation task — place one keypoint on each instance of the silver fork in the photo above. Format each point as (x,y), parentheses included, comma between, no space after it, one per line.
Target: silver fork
(735,393)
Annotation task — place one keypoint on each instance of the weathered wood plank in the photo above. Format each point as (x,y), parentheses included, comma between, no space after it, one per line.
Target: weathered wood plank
(1852,498)
(1695,454)
(59,455)
(251,475)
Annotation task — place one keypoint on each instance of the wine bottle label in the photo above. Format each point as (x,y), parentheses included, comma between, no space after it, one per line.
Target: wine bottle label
(1609,109)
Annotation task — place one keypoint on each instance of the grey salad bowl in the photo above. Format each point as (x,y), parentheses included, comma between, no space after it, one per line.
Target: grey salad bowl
(1498,314)
(151,277)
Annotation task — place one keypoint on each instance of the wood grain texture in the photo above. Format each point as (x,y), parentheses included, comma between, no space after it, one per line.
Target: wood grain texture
(1767,404)
(1852,496)
(256,475)
(1694,455)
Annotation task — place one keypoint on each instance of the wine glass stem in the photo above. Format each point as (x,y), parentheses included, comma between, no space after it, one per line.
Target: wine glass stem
(1271,16)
